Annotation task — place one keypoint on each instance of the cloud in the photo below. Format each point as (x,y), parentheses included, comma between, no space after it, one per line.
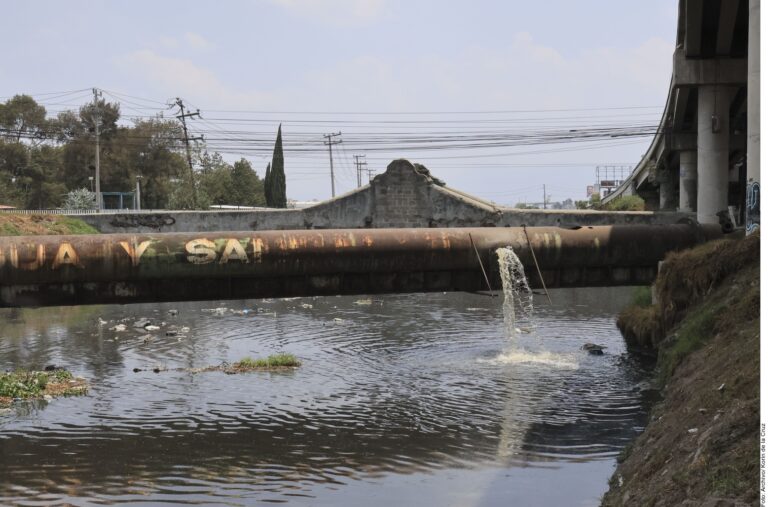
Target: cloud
(196,41)
(169,42)
(523,75)
(334,11)
(178,76)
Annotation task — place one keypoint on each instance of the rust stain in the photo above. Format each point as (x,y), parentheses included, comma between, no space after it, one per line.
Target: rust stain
(259,247)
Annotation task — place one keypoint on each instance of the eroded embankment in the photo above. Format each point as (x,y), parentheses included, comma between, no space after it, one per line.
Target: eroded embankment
(701,443)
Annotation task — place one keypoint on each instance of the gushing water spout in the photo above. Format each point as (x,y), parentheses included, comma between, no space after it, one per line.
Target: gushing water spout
(518,298)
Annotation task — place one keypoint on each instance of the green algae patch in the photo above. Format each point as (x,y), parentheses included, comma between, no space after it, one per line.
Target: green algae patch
(273,361)
(30,385)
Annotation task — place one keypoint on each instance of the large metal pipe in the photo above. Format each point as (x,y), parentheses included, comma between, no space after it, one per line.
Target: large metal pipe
(44,270)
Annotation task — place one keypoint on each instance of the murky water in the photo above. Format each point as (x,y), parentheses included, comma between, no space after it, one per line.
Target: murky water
(410,400)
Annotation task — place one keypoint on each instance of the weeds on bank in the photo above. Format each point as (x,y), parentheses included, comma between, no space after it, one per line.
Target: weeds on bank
(641,296)
(696,329)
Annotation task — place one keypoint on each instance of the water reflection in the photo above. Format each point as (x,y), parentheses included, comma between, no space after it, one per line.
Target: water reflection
(394,392)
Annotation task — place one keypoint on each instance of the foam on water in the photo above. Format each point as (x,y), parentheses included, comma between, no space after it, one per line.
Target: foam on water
(518,317)
(546,358)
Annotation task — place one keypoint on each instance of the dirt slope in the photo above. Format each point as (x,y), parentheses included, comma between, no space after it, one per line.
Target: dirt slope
(701,444)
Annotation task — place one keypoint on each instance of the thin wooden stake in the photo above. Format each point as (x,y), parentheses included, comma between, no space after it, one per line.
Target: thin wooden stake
(482,268)
(533,254)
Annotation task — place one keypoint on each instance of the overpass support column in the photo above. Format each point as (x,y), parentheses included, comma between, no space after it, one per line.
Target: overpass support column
(667,199)
(688,179)
(753,119)
(712,150)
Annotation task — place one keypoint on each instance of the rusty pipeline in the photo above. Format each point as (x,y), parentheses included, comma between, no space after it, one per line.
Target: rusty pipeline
(42,270)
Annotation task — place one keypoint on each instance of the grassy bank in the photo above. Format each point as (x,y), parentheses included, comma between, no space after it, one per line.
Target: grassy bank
(701,443)
(35,225)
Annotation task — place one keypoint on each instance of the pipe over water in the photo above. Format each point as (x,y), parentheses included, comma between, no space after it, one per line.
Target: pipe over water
(120,268)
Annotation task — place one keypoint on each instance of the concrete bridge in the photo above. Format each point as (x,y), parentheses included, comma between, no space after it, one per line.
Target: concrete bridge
(122,268)
(705,157)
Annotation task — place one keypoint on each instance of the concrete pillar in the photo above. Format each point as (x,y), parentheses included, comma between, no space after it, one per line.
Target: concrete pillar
(688,179)
(667,199)
(712,149)
(752,214)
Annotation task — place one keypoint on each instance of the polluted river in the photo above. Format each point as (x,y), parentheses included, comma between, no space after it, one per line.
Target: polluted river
(448,399)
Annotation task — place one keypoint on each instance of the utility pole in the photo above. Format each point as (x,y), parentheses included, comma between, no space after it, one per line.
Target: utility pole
(545,196)
(96,125)
(330,142)
(183,117)
(137,203)
(359,164)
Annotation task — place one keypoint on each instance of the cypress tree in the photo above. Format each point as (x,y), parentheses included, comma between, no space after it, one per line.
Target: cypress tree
(277,174)
(268,185)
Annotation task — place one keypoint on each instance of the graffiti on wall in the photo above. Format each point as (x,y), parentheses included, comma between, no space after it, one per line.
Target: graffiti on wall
(753,207)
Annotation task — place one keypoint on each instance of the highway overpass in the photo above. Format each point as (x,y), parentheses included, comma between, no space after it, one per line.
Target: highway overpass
(705,156)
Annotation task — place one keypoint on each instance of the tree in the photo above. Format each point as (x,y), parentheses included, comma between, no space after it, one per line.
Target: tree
(42,179)
(22,117)
(277,174)
(82,198)
(626,203)
(247,187)
(268,185)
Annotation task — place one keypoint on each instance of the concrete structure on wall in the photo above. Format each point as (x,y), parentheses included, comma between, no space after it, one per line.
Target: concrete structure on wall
(406,195)
(705,157)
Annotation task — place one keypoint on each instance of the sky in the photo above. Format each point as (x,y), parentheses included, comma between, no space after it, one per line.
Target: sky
(477,91)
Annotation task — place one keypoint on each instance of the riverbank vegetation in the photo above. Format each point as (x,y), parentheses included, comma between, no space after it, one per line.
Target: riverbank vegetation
(623,203)
(33,225)
(701,443)
(25,385)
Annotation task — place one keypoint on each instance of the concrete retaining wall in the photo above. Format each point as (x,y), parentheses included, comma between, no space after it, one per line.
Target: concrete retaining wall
(404,196)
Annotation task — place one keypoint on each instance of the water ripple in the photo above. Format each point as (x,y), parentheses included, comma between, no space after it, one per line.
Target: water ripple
(401,385)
